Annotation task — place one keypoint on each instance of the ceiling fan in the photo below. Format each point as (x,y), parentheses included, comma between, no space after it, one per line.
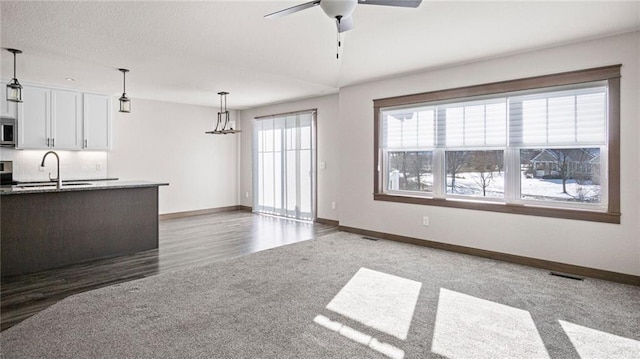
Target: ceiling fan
(341,10)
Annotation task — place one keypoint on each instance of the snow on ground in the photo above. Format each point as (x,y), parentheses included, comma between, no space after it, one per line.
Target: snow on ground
(538,188)
(469,184)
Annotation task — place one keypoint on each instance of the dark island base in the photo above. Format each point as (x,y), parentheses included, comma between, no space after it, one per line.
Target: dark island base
(42,231)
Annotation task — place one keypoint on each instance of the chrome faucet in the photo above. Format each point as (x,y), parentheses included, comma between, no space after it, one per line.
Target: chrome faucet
(59,178)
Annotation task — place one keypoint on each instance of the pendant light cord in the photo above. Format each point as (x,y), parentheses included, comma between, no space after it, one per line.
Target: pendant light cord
(338,18)
(14,65)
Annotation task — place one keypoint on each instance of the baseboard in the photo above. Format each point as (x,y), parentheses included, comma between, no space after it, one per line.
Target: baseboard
(328,222)
(199,212)
(527,261)
(245,208)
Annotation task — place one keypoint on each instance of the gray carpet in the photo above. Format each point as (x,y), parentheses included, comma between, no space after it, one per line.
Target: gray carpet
(341,296)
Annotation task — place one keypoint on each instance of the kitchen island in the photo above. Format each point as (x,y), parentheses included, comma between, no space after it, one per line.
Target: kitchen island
(44,227)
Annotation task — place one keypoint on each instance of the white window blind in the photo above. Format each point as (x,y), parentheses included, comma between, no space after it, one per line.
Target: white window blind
(408,128)
(473,124)
(559,118)
(548,117)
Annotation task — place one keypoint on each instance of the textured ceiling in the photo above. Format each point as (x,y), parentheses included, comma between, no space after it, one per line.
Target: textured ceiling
(187,51)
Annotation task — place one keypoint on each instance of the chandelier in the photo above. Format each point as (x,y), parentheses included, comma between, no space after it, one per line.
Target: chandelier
(224,125)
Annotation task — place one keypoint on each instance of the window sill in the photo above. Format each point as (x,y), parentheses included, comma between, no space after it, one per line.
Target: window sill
(582,215)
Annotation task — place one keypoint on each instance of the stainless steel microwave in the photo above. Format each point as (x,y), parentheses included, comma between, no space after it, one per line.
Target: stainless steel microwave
(8,133)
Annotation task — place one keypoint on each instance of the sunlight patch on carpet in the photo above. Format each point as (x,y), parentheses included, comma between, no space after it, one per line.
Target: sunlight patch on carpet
(360,337)
(592,343)
(378,300)
(467,326)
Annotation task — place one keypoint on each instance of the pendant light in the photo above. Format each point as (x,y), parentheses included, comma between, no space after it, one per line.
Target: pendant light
(125,103)
(14,89)
(223,126)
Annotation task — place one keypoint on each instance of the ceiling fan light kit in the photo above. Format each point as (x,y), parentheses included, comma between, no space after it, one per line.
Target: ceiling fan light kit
(337,9)
(224,126)
(341,10)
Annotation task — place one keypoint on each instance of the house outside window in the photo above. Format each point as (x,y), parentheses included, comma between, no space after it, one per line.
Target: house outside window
(545,146)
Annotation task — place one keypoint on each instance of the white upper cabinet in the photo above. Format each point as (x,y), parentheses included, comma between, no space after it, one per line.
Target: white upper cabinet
(97,124)
(61,119)
(7,108)
(34,120)
(66,120)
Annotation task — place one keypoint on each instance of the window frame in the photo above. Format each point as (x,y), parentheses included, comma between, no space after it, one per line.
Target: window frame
(609,74)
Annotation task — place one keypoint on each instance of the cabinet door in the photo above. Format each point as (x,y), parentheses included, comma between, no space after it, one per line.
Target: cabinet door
(66,120)
(7,108)
(34,118)
(97,122)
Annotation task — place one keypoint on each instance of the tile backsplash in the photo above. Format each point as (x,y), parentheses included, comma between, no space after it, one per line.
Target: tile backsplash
(73,164)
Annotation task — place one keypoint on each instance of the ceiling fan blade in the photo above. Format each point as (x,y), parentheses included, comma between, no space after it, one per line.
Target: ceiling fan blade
(293,9)
(346,24)
(402,3)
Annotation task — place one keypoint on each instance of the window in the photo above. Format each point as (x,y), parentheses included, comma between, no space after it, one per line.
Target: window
(545,146)
(406,136)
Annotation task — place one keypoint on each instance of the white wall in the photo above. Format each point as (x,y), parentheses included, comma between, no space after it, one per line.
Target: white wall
(166,142)
(597,245)
(327,121)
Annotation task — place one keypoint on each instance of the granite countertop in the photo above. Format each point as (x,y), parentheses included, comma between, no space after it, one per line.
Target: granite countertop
(79,185)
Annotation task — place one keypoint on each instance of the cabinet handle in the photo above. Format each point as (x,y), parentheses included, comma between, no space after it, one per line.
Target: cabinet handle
(53,142)
(48,142)
(85,143)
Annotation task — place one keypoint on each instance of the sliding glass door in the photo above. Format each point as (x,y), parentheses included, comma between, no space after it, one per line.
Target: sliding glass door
(284,165)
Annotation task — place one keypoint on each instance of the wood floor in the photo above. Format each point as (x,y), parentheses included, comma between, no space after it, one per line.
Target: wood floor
(184,243)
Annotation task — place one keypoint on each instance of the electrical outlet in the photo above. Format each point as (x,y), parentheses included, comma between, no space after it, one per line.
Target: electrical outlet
(425,221)
(246,195)
(333,205)
(98,166)
(323,165)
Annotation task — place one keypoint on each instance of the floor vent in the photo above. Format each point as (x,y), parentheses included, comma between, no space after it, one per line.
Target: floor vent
(563,275)
(371,238)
